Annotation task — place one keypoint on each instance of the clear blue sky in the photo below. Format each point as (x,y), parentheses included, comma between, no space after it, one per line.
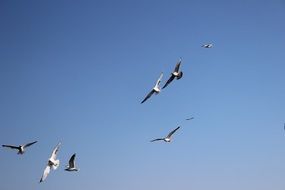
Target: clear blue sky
(76,72)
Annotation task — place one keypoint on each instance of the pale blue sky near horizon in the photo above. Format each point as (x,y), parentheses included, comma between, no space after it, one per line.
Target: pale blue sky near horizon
(75,72)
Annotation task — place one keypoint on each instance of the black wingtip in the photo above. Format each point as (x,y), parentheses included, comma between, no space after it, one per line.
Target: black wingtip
(143,101)
(165,85)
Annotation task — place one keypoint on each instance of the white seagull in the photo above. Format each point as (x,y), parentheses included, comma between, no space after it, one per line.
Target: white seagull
(207,45)
(175,74)
(71,167)
(168,137)
(21,148)
(156,89)
(52,163)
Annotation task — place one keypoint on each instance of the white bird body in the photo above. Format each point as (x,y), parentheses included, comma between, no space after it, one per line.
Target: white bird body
(156,89)
(22,150)
(53,163)
(175,74)
(167,139)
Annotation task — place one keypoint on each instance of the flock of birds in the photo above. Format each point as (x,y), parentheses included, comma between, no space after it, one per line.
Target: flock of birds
(175,74)
(53,162)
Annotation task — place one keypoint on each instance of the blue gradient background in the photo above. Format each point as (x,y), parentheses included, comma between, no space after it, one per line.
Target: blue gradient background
(76,71)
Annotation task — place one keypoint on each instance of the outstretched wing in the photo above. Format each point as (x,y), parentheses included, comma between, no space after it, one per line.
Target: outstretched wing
(190,118)
(45,174)
(172,132)
(10,146)
(177,65)
(160,139)
(71,161)
(148,96)
(159,79)
(169,81)
(29,144)
(55,150)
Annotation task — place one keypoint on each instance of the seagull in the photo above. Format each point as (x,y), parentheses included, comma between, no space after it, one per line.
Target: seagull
(21,148)
(156,89)
(71,167)
(175,74)
(168,137)
(52,163)
(207,45)
(190,118)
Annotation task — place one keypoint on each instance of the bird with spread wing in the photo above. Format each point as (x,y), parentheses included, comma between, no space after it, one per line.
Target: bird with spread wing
(175,74)
(21,148)
(168,137)
(71,167)
(207,46)
(155,89)
(52,163)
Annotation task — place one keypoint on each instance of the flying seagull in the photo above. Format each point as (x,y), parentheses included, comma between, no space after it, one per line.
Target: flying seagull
(52,163)
(156,89)
(207,45)
(168,137)
(190,118)
(21,148)
(175,74)
(71,167)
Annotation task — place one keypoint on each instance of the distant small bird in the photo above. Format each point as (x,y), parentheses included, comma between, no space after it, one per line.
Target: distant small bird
(155,89)
(168,137)
(207,45)
(21,148)
(71,167)
(190,118)
(175,74)
(52,163)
